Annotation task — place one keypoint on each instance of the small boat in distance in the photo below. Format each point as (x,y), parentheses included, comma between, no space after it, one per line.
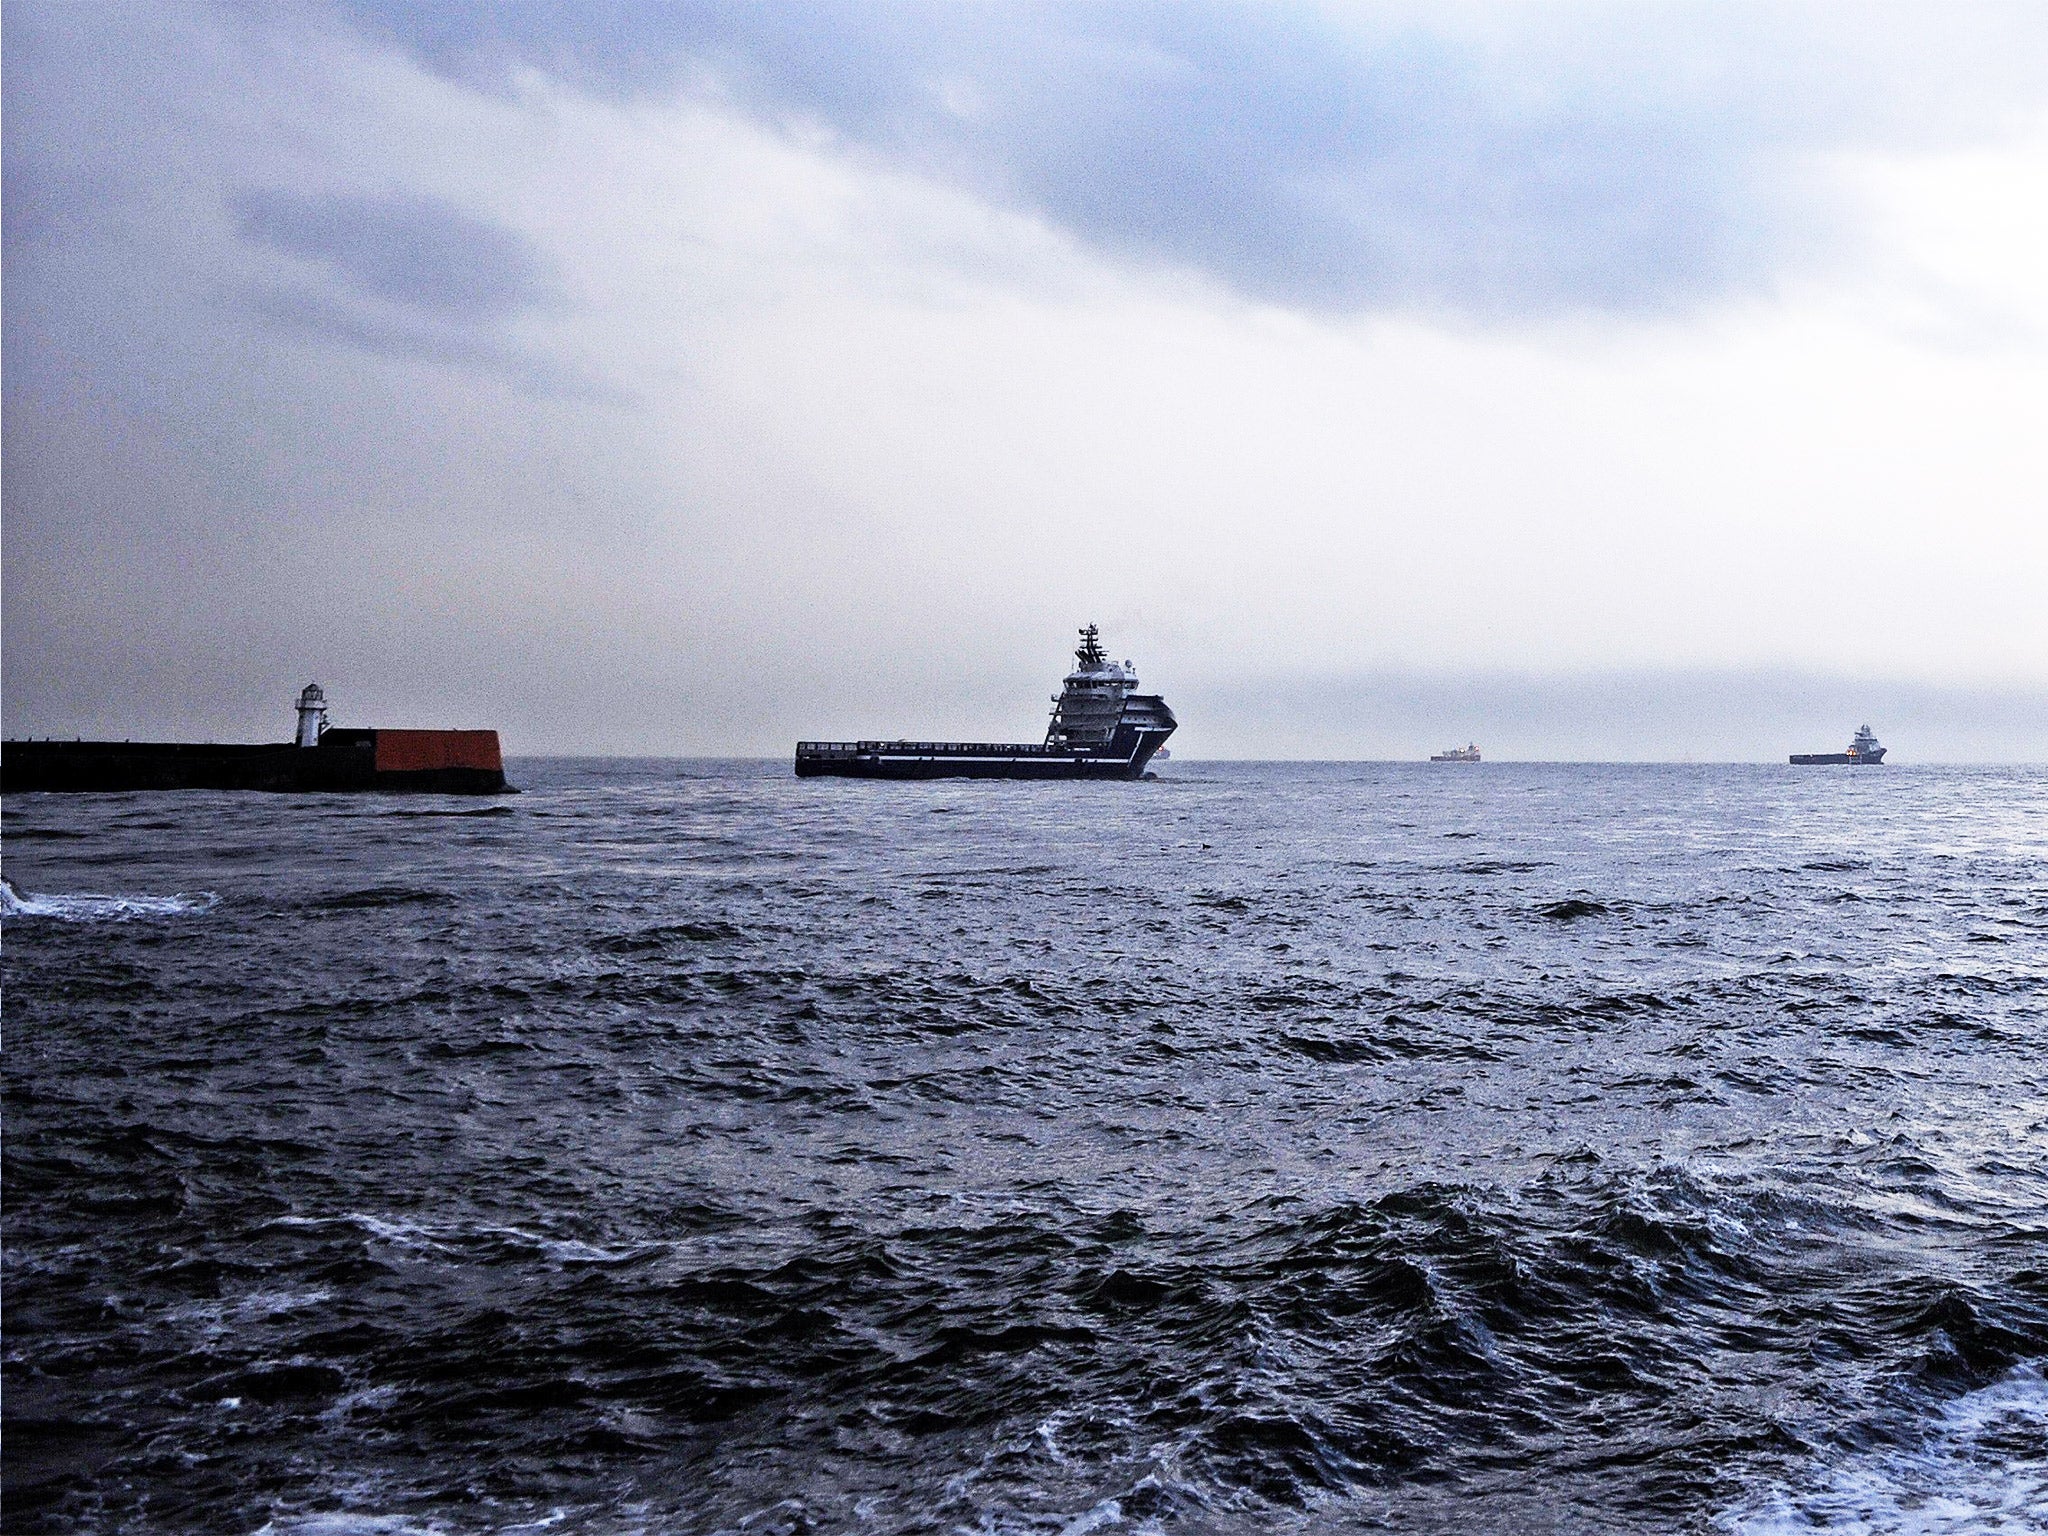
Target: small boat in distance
(1863,750)
(1464,754)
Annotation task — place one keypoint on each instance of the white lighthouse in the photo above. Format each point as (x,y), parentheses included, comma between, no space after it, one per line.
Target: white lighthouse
(312,715)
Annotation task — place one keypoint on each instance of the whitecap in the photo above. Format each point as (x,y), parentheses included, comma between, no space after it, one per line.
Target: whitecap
(569,1250)
(95,907)
(224,1315)
(362,1400)
(1108,1512)
(346,1523)
(1980,1470)
(451,1237)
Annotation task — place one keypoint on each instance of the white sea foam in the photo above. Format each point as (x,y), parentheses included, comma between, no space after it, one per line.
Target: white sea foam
(230,1313)
(1108,1512)
(346,1523)
(450,1237)
(363,1400)
(1981,1470)
(93,907)
(568,1250)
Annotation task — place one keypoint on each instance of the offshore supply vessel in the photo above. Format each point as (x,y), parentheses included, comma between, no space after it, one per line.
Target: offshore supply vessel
(1102,728)
(316,759)
(1864,749)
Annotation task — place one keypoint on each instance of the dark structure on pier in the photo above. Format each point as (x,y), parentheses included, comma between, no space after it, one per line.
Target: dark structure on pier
(319,759)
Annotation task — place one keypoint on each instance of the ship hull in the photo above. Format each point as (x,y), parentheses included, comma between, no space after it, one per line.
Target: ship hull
(1101,729)
(401,762)
(1860,759)
(1125,758)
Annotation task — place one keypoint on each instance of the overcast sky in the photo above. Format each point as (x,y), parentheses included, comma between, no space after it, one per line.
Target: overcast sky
(1587,380)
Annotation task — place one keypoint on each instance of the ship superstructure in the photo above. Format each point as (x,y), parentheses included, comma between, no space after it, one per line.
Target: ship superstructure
(1865,750)
(1102,728)
(1099,703)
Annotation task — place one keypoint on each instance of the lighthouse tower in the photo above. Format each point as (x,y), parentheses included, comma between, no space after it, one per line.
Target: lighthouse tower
(312,715)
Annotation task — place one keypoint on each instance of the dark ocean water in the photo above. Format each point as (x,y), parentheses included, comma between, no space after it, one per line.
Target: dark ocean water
(686,1147)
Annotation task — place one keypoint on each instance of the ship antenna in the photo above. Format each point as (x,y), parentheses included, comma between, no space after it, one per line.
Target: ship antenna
(1089,652)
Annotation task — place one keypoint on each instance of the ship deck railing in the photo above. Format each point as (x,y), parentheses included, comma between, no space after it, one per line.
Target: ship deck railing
(931,748)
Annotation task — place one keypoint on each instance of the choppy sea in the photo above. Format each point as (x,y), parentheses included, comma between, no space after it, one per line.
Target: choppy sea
(685,1147)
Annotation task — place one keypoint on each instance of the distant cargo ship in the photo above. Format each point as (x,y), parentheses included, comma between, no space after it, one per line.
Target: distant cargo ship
(1864,749)
(316,759)
(1465,754)
(1102,728)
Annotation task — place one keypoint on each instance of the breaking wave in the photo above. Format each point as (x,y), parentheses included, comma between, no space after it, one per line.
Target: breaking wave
(1980,1469)
(94,907)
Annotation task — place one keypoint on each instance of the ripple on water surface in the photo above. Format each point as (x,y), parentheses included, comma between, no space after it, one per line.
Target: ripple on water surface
(690,1147)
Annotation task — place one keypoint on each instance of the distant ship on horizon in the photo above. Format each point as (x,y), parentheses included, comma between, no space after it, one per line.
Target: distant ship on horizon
(1469,753)
(1864,750)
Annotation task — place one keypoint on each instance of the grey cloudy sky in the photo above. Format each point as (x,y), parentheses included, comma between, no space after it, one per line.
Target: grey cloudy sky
(1589,379)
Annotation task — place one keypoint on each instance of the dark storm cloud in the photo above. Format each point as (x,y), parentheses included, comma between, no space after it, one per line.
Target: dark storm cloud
(1524,161)
(406,250)
(437,278)
(425,339)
